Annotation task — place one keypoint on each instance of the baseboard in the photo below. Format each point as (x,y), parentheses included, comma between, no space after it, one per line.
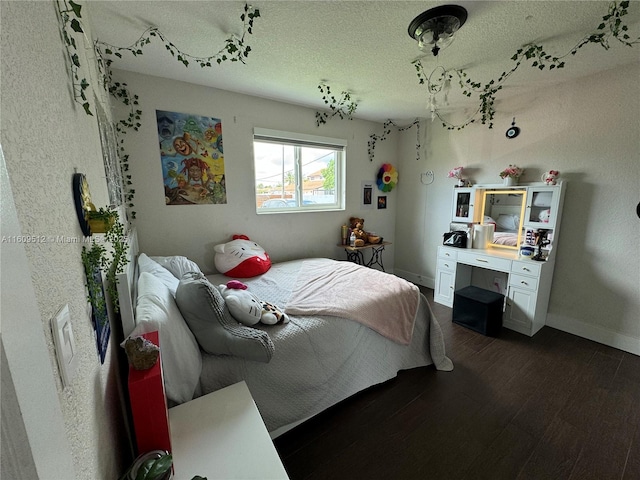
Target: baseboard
(415,278)
(597,334)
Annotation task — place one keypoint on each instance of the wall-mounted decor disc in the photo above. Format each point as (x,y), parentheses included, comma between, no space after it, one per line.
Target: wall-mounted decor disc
(513,131)
(387,177)
(82,200)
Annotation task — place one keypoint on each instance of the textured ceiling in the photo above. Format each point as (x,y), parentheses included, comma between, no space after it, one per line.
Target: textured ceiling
(359,46)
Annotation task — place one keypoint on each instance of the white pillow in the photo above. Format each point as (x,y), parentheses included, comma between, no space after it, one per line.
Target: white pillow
(508,222)
(145,264)
(177,265)
(181,359)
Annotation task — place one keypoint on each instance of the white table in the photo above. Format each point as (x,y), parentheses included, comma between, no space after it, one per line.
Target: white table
(222,436)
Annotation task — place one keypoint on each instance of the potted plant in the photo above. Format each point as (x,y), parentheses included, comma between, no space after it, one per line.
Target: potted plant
(111,261)
(101,220)
(154,465)
(511,174)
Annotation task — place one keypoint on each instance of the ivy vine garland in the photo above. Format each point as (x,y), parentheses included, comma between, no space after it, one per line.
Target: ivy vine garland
(234,50)
(343,106)
(373,139)
(70,14)
(612,26)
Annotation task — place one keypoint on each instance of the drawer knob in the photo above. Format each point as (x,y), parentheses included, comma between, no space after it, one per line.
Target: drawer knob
(526,269)
(482,260)
(523,282)
(446,265)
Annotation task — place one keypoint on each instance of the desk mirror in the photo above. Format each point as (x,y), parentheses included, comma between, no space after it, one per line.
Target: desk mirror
(505,210)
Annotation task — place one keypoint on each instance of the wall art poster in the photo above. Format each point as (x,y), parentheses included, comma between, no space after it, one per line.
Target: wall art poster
(99,315)
(192,159)
(367,195)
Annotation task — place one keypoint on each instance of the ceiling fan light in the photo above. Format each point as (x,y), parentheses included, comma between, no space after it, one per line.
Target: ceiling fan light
(436,26)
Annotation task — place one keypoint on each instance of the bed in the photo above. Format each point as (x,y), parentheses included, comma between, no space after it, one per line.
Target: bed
(317,359)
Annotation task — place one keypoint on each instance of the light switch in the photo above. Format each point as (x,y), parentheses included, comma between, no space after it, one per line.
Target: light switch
(65,345)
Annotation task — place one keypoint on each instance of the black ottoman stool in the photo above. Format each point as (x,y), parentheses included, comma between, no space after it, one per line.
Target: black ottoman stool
(479,310)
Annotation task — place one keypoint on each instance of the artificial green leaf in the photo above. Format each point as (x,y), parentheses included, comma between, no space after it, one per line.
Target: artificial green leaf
(76,8)
(75,26)
(159,467)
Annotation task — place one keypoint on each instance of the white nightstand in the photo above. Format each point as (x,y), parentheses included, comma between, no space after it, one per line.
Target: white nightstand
(222,436)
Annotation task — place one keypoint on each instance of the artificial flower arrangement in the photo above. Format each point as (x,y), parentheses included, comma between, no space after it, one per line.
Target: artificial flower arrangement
(512,171)
(455,173)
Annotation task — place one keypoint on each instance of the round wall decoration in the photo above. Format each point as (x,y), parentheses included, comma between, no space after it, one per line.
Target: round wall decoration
(513,131)
(82,200)
(387,177)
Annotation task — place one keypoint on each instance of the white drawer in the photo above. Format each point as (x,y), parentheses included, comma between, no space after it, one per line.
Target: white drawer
(485,261)
(526,267)
(446,264)
(448,252)
(523,281)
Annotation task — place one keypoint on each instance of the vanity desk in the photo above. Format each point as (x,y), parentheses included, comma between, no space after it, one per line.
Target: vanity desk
(526,283)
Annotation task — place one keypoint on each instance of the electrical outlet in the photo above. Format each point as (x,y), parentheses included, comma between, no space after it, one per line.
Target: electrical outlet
(65,343)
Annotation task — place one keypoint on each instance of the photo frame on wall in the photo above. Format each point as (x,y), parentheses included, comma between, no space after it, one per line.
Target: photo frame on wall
(99,314)
(382,202)
(367,195)
(112,170)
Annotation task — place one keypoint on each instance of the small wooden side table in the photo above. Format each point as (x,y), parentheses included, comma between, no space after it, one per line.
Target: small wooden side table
(356,255)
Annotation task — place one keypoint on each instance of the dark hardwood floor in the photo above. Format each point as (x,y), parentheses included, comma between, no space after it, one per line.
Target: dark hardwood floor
(552,406)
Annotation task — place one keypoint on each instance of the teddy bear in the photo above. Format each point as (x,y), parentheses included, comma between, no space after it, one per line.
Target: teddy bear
(248,309)
(550,177)
(356,224)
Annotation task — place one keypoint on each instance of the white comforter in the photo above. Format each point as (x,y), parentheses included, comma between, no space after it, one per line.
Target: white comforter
(318,361)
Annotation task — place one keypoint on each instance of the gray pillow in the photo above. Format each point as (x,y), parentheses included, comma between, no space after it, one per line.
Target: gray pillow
(217,332)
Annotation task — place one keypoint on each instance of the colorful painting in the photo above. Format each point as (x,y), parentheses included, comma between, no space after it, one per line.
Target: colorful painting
(192,159)
(99,315)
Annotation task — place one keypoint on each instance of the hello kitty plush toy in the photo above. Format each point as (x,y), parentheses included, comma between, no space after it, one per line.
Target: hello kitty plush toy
(545,215)
(241,258)
(550,177)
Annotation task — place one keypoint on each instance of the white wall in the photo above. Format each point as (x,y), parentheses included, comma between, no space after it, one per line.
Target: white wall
(46,136)
(193,230)
(589,130)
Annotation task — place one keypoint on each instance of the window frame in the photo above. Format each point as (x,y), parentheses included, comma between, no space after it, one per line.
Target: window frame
(310,141)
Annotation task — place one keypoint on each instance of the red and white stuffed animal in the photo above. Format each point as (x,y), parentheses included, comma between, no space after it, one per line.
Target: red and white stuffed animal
(241,258)
(248,309)
(550,177)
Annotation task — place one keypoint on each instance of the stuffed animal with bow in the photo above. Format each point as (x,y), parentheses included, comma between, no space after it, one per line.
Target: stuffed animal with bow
(550,177)
(248,309)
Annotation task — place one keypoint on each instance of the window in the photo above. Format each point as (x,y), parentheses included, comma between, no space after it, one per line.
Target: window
(297,173)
